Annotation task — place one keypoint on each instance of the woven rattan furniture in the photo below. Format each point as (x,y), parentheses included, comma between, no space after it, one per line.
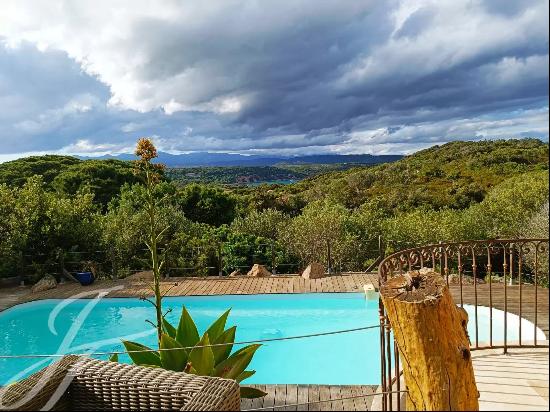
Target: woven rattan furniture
(83,384)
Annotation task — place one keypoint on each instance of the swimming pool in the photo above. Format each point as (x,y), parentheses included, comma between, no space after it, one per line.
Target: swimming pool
(56,326)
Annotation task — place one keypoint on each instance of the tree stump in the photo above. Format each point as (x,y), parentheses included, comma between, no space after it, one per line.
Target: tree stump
(431,334)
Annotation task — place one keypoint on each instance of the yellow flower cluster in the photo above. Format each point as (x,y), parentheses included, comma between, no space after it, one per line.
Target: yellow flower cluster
(145,149)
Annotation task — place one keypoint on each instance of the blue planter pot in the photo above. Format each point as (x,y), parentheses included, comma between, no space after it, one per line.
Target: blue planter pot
(85,278)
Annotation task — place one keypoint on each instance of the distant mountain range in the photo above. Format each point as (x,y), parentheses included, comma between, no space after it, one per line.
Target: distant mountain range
(198,159)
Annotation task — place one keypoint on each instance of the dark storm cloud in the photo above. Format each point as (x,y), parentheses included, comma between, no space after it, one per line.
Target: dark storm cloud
(288,75)
(45,97)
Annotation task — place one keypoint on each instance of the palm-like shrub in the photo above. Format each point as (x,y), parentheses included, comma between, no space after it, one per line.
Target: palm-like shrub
(182,349)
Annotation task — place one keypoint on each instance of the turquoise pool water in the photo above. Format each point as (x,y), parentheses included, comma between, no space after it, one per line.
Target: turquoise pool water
(83,325)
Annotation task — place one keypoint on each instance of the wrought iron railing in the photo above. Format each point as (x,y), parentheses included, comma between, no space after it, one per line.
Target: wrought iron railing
(508,277)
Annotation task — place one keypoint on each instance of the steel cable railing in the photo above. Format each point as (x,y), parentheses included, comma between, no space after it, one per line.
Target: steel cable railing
(286,338)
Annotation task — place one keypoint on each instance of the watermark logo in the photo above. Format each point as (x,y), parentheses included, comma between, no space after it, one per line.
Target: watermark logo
(9,399)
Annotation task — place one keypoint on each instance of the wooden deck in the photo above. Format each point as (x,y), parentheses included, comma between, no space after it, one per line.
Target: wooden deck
(213,285)
(279,395)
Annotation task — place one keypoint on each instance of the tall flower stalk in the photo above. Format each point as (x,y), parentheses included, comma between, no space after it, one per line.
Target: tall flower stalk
(151,173)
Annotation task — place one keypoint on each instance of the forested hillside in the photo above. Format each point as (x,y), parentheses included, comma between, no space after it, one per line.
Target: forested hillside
(454,175)
(70,175)
(52,208)
(283,173)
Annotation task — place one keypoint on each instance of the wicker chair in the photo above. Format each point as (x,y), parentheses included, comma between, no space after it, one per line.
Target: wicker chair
(83,384)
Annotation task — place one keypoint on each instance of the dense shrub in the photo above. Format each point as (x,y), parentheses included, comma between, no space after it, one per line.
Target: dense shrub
(37,226)
(268,223)
(207,204)
(124,228)
(462,190)
(322,227)
(508,206)
(537,227)
(102,178)
(68,175)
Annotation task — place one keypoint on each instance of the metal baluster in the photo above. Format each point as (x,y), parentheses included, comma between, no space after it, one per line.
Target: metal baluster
(460,277)
(536,291)
(510,272)
(474,273)
(446,270)
(388,351)
(397,374)
(382,356)
(490,273)
(520,270)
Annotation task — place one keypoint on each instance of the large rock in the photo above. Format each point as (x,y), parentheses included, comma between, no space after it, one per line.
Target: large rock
(46,283)
(258,271)
(314,271)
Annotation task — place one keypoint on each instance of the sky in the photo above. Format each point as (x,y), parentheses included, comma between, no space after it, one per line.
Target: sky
(285,77)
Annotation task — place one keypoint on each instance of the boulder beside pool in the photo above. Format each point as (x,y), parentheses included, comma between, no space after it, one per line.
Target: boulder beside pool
(144,276)
(46,283)
(314,271)
(258,271)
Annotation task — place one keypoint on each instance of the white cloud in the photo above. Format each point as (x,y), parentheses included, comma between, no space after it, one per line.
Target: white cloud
(86,147)
(52,118)
(291,75)
(403,139)
(127,45)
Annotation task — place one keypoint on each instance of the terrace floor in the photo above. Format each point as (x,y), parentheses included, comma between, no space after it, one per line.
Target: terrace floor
(517,381)
(489,365)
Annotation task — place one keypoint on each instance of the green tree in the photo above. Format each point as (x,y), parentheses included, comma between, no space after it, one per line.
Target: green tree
(41,225)
(268,223)
(103,178)
(321,226)
(536,227)
(207,204)
(124,230)
(421,227)
(505,209)
(16,172)
(12,236)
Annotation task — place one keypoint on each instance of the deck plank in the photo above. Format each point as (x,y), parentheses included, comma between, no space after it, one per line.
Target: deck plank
(303,398)
(314,396)
(291,397)
(282,395)
(324,395)
(336,393)
(347,404)
(258,402)
(269,399)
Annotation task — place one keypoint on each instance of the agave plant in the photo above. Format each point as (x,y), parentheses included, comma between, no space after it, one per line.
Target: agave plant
(209,355)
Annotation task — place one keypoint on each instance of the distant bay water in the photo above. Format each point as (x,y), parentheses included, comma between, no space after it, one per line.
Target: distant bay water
(272,182)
